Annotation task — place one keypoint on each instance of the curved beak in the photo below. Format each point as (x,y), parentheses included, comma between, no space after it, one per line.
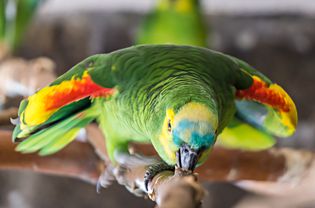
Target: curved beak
(187,157)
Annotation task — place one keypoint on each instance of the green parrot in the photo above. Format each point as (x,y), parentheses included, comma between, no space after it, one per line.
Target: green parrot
(180,22)
(176,22)
(179,98)
(15,16)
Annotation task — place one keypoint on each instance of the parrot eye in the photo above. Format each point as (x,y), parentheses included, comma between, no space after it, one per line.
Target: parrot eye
(169,126)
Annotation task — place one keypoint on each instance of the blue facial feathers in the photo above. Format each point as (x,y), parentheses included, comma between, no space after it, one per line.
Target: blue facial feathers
(196,134)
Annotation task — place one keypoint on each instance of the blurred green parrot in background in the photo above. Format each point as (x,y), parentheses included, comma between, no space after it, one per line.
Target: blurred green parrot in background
(179,98)
(176,22)
(15,16)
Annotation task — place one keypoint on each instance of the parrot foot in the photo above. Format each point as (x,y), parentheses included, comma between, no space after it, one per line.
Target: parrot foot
(105,179)
(155,169)
(117,173)
(121,173)
(123,170)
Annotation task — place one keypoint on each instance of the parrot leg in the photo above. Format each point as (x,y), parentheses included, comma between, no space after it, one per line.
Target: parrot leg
(155,169)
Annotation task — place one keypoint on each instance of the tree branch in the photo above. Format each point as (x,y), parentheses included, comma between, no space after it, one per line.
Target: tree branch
(281,167)
(282,164)
(77,160)
(188,194)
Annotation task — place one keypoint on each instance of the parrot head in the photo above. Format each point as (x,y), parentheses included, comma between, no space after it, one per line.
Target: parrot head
(189,134)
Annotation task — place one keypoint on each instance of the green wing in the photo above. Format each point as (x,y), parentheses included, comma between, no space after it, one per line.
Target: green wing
(241,135)
(52,117)
(264,110)
(57,136)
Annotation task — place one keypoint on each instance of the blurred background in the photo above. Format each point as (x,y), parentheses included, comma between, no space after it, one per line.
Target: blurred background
(276,37)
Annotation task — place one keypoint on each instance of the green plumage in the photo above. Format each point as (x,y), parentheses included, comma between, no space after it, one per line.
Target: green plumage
(148,81)
(242,135)
(57,136)
(176,22)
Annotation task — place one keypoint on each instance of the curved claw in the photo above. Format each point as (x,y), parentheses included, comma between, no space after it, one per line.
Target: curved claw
(153,170)
(105,179)
(98,187)
(15,121)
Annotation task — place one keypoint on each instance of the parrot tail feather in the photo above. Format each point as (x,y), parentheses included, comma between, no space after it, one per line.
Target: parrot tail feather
(56,135)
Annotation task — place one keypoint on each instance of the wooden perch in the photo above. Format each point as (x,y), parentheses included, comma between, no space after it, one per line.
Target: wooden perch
(80,160)
(282,164)
(177,191)
(300,196)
